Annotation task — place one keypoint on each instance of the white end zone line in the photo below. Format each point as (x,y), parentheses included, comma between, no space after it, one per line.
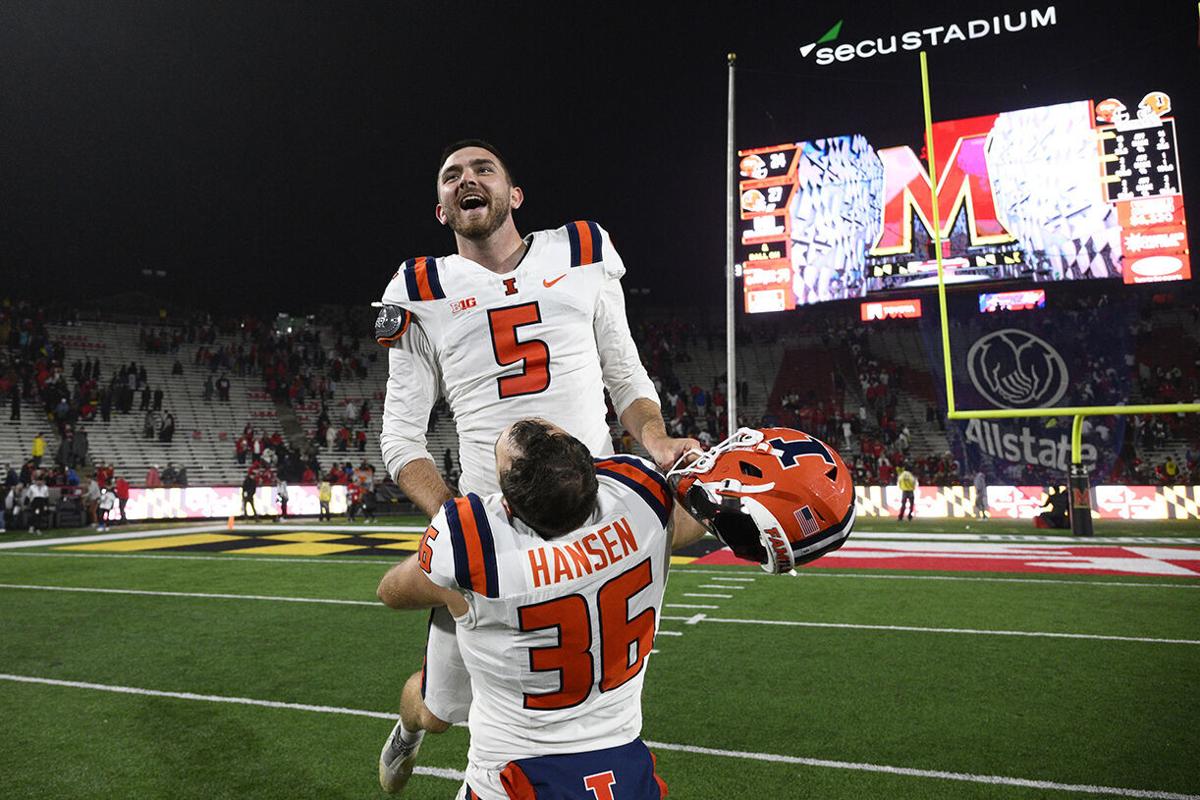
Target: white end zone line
(455,775)
(715,573)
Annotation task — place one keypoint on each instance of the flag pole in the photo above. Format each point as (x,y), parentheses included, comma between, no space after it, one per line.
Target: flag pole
(730,283)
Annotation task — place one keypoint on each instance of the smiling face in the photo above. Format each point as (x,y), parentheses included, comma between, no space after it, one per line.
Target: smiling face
(475,194)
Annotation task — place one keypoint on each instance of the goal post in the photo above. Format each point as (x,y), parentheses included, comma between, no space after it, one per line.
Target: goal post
(1078,479)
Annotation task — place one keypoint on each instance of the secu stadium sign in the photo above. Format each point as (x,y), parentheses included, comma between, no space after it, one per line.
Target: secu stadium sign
(827,52)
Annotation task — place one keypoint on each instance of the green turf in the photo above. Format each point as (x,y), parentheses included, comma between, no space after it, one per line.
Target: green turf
(1070,711)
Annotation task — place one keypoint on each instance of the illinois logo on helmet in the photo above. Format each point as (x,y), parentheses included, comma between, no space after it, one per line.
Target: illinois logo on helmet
(776,496)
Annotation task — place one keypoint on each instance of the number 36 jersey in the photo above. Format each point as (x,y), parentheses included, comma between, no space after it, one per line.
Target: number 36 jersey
(543,340)
(557,631)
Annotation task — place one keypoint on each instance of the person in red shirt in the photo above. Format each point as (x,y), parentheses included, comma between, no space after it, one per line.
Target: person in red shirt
(121,490)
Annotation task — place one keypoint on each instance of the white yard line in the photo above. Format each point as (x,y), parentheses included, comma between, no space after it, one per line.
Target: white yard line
(922,629)
(690,620)
(687,605)
(203,595)
(727,587)
(714,596)
(455,775)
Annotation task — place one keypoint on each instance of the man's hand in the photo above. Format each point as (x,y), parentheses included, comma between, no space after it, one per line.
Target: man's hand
(644,420)
(666,450)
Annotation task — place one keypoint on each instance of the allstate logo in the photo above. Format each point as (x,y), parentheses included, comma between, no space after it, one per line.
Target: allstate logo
(1014,369)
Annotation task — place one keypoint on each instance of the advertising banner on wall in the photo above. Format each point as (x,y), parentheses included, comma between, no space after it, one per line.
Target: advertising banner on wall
(1026,502)
(1075,357)
(199,502)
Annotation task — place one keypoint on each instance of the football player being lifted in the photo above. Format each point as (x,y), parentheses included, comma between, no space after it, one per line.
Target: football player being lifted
(507,328)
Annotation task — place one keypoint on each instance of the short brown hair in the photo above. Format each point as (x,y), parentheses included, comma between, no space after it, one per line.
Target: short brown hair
(454,147)
(551,484)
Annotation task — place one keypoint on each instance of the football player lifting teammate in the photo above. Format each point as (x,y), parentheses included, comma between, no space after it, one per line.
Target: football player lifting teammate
(556,585)
(507,328)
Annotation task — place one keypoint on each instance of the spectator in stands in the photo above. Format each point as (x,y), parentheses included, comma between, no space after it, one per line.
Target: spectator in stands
(158,398)
(360,440)
(1170,471)
(168,429)
(153,481)
(249,487)
(121,491)
(223,388)
(38,451)
(177,367)
(14,400)
(169,476)
(447,462)
(907,484)
(324,495)
(79,448)
(209,388)
(145,405)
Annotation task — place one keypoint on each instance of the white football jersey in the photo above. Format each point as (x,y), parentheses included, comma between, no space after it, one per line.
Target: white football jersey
(542,340)
(558,631)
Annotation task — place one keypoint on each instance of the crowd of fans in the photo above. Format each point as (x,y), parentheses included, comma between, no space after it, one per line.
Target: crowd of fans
(857,412)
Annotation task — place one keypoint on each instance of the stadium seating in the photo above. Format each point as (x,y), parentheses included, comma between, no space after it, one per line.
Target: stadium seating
(204,431)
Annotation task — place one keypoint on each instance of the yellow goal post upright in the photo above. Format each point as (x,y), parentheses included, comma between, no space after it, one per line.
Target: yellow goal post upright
(1080,505)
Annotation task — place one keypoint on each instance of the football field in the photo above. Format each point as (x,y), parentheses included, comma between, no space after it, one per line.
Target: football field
(921,661)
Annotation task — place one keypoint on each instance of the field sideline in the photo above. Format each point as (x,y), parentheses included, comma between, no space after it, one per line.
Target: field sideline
(183,672)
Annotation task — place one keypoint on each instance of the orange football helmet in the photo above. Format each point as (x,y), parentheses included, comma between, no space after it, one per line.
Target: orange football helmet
(776,496)
(1111,110)
(752,166)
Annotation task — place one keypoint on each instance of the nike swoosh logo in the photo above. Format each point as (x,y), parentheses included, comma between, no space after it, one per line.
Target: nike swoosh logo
(548,284)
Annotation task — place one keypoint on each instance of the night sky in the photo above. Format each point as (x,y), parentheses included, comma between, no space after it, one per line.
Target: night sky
(280,155)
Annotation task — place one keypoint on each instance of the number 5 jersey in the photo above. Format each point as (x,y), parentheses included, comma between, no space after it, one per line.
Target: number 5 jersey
(557,631)
(543,340)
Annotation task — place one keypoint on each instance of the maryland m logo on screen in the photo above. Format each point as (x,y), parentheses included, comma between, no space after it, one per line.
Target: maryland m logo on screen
(1072,191)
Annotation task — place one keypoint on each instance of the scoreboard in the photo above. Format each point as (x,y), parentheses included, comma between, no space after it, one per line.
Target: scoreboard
(1071,191)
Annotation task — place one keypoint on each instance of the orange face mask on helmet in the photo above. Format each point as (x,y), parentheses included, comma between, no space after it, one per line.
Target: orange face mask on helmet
(776,496)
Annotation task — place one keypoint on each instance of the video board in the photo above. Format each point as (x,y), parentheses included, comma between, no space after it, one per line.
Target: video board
(1072,191)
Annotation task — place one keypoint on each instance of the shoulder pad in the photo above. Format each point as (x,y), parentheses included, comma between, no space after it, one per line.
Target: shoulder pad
(474,549)
(643,479)
(586,241)
(421,279)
